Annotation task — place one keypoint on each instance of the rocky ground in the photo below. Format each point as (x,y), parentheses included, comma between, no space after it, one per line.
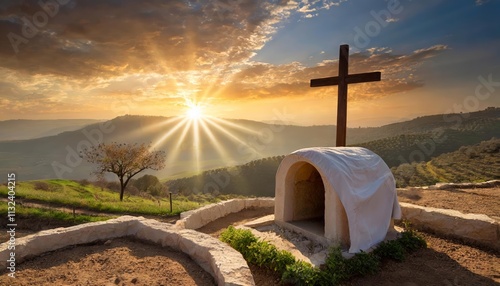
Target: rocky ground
(128,262)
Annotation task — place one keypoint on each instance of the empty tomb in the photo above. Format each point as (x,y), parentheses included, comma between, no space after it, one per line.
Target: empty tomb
(336,195)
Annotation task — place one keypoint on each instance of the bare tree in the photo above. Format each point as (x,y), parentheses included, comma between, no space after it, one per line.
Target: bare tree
(124,160)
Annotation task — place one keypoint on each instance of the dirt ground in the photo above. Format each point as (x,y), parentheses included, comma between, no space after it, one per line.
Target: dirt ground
(481,201)
(129,262)
(120,261)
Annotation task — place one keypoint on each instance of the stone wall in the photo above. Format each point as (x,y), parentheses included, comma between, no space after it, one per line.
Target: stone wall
(197,218)
(477,228)
(226,265)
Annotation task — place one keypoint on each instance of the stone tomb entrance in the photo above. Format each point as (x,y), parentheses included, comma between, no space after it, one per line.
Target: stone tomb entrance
(336,195)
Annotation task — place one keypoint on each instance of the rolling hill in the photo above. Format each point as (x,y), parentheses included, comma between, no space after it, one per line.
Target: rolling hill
(31,129)
(475,163)
(223,143)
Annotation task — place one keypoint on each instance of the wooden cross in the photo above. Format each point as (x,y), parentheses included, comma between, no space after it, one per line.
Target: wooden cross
(342,81)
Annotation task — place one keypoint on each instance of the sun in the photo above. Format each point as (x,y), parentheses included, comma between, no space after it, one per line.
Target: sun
(194,112)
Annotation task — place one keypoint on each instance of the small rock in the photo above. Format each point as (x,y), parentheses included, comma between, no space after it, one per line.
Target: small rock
(117,280)
(134,280)
(108,242)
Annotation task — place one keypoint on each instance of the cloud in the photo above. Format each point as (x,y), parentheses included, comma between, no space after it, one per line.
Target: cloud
(260,80)
(94,54)
(309,7)
(481,2)
(107,38)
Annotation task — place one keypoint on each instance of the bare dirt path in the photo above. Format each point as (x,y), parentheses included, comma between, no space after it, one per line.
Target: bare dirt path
(480,200)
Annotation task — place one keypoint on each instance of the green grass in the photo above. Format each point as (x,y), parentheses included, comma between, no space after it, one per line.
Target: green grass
(71,194)
(336,269)
(52,215)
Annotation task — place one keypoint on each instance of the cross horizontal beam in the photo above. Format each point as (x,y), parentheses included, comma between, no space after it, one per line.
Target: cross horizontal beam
(352,78)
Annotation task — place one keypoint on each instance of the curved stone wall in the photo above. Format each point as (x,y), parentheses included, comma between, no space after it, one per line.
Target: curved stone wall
(225,264)
(197,218)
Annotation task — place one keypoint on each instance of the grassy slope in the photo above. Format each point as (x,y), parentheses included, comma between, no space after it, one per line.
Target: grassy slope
(72,194)
(49,214)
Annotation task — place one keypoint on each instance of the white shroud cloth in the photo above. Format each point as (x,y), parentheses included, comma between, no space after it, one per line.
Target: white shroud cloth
(365,186)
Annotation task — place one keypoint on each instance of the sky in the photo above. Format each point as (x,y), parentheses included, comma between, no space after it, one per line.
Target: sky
(246,59)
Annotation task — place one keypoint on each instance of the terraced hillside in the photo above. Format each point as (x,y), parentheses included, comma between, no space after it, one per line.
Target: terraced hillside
(407,148)
(475,163)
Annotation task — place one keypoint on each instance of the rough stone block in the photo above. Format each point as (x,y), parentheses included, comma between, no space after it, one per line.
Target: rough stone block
(475,227)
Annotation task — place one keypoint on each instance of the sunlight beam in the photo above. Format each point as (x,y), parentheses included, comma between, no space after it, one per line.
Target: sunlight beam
(197,147)
(233,125)
(169,133)
(232,136)
(174,153)
(214,141)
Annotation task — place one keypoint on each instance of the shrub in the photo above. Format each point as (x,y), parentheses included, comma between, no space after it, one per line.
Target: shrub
(392,249)
(43,186)
(239,239)
(83,182)
(301,273)
(145,182)
(338,269)
(157,190)
(131,190)
(261,253)
(283,259)
(113,186)
(411,240)
(362,264)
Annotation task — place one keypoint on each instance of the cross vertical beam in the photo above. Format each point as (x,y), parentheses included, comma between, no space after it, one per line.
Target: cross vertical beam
(342,81)
(342,95)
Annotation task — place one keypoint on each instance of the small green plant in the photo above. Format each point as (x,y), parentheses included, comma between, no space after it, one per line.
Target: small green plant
(337,269)
(412,241)
(301,273)
(283,259)
(362,264)
(239,239)
(392,249)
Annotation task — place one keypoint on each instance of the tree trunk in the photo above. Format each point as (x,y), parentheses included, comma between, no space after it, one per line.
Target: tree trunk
(122,189)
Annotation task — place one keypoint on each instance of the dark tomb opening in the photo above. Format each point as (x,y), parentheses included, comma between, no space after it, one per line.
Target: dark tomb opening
(309,200)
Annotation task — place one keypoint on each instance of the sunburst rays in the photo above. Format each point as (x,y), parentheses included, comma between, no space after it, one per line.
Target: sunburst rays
(202,139)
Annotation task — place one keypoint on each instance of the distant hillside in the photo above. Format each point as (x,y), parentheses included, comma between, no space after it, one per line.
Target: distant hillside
(407,148)
(30,129)
(254,178)
(234,142)
(476,163)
